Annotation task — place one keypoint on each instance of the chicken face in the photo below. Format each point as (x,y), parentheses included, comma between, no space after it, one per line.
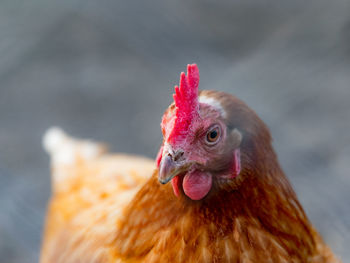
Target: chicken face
(198,146)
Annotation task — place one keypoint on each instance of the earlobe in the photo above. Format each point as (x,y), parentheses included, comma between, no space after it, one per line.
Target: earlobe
(236,136)
(234,151)
(236,162)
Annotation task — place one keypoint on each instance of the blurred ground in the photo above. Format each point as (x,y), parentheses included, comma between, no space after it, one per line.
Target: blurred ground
(106,69)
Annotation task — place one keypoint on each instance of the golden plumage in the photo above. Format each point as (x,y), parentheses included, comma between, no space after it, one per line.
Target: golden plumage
(110,208)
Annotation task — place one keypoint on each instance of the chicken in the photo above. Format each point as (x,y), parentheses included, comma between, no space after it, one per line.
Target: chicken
(216,193)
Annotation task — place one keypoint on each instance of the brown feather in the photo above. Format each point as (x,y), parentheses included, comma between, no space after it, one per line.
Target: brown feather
(97,217)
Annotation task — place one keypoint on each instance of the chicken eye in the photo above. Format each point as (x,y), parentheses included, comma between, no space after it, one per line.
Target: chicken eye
(213,135)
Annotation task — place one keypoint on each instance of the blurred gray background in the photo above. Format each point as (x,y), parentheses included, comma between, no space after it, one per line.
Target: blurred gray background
(106,70)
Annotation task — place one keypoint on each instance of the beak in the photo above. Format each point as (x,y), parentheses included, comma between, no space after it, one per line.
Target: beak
(172,164)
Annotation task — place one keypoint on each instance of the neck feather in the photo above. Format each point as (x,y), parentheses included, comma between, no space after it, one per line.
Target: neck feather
(156,219)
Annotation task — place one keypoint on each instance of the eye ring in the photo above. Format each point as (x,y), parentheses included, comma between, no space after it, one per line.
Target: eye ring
(213,135)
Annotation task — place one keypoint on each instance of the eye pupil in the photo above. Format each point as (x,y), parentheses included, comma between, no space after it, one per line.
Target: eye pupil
(213,134)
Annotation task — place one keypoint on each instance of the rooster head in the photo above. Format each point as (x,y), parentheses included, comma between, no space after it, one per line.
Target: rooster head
(202,137)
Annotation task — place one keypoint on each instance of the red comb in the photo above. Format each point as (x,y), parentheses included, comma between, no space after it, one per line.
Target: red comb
(186,101)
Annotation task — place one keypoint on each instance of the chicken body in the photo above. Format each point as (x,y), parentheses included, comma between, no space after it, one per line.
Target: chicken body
(109,208)
(228,201)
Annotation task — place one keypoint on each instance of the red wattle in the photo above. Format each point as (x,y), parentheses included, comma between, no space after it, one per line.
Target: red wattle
(236,163)
(197,184)
(175,182)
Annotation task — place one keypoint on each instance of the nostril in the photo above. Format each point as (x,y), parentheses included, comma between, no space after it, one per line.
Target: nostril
(171,157)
